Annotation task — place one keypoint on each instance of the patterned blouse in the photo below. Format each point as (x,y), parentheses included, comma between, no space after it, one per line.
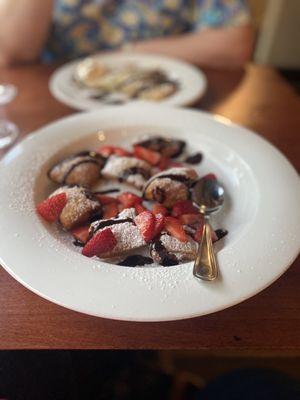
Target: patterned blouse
(82,27)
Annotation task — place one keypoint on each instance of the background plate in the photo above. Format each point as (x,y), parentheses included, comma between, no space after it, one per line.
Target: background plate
(191,80)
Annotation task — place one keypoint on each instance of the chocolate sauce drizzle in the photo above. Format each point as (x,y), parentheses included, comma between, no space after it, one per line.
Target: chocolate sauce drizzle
(135,260)
(114,190)
(166,259)
(109,222)
(134,171)
(171,148)
(194,159)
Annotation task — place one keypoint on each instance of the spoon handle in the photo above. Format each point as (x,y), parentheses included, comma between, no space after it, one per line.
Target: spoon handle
(206,266)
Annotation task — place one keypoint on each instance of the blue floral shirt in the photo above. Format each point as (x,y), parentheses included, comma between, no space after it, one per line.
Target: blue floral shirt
(82,27)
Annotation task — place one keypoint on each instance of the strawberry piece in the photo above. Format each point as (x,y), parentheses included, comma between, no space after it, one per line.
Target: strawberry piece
(199,232)
(175,229)
(164,163)
(121,207)
(51,208)
(210,176)
(159,209)
(107,150)
(129,199)
(190,219)
(121,152)
(104,199)
(184,207)
(146,225)
(159,224)
(100,243)
(110,210)
(139,208)
(81,233)
(175,165)
(152,157)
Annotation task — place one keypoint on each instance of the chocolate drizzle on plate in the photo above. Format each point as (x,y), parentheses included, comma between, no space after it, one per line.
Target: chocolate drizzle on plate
(135,260)
(194,159)
(108,222)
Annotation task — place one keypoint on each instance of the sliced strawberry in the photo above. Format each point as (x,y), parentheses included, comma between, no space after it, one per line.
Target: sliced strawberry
(129,199)
(139,208)
(107,150)
(152,157)
(110,210)
(184,207)
(199,232)
(210,176)
(164,163)
(175,229)
(146,225)
(159,209)
(159,224)
(104,199)
(51,208)
(100,243)
(190,219)
(174,164)
(121,207)
(81,233)
(121,152)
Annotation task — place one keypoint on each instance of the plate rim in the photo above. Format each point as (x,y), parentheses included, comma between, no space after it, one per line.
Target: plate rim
(39,132)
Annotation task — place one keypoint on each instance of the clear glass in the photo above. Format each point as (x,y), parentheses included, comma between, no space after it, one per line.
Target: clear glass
(8,130)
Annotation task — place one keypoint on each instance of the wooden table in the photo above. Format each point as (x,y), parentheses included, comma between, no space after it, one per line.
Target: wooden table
(258,98)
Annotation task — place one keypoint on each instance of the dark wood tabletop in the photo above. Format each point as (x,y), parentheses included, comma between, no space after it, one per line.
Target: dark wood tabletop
(258,98)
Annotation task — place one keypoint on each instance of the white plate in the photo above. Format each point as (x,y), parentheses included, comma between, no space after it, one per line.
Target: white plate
(262,215)
(191,80)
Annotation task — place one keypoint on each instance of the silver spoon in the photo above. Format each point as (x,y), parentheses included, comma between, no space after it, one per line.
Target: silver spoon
(208,194)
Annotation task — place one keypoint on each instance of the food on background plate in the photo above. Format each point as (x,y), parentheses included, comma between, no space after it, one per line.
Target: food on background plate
(131,81)
(158,224)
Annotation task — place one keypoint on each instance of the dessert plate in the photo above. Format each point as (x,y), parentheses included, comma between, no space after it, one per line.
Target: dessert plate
(192,82)
(261,213)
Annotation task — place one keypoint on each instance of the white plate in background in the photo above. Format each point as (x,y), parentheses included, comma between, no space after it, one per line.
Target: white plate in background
(192,81)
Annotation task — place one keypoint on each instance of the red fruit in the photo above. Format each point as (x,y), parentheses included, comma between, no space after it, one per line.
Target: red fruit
(184,207)
(121,152)
(104,199)
(164,163)
(81,233)
(139,208)
(129,199)
(121,207)
(152,157)
(110,210)
(107,150)
(51,208)
(175,165)
(146,225)
(100,243)
(175,229)
(159,224)
(210,176)
(159,209)
(199,232)
(190,219)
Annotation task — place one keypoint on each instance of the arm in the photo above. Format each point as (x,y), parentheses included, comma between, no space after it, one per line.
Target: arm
(218,48)
(24,26)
